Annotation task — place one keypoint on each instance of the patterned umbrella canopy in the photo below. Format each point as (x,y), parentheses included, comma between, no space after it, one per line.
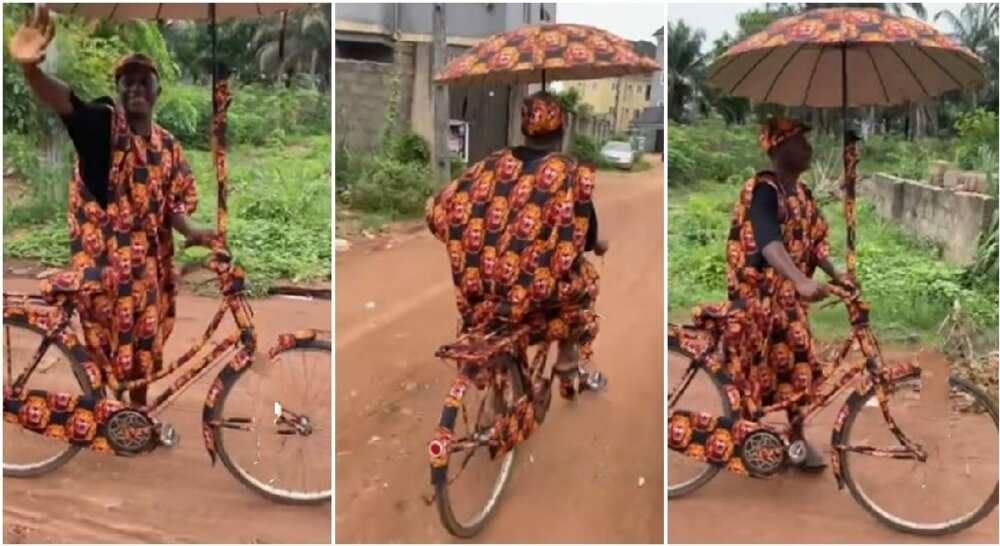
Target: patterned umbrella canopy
(546,53)
(886,59)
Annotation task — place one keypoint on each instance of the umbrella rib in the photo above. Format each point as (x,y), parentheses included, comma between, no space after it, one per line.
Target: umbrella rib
(885,92)
(943,69)
(967,62)
(724,66)
(72,10)
(812,75)
(752,68)
(910,69)
(159,9)
(788,61)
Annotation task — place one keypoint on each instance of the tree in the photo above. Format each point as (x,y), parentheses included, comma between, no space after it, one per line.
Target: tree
(308,45)
(976,29)
(685,66)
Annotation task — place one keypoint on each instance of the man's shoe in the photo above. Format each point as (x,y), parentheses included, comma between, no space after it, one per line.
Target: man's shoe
(168,435)
(813,460)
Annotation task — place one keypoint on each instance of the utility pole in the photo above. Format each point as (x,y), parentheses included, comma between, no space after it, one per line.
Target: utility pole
(439,57)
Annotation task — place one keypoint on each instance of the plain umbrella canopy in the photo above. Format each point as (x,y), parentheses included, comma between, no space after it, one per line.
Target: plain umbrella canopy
(123,11)
(890,59)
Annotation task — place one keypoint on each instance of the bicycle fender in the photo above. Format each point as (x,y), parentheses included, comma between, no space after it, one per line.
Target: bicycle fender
(223,381)
(889,375)
(37,317)
(233,370)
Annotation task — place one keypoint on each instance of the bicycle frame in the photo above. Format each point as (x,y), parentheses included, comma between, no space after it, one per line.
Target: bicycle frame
(237,349)
(872,372)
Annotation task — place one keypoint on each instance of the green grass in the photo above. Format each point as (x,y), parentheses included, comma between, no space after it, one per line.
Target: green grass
(279,214)
(910,289)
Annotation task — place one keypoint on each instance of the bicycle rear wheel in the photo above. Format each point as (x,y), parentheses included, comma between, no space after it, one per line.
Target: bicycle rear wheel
(275,426)
(474,479)
(26,453)
(703,394)
(955,487)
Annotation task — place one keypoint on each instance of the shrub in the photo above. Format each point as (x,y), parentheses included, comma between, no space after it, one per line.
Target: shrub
(976,130)
(388,185)
(587,150)
(408,147)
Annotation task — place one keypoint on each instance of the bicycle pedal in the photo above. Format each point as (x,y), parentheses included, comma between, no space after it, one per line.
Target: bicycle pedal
(169,438)
(797,452)
(593,381)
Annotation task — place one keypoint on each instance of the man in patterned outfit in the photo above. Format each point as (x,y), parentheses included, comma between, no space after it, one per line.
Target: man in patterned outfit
(131,188)
(516,225)
(777,240)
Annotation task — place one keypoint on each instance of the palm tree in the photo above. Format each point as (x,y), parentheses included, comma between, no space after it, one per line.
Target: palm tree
(299,44)
(976,29)
(685,65)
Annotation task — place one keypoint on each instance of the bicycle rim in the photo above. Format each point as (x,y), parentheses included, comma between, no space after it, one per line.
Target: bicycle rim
(955,487)
(462,506)
(272,458)
(27,453)
(705,395)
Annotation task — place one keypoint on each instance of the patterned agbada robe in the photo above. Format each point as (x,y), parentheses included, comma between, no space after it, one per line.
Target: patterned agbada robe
(515,232)
(770,350)
(123,254)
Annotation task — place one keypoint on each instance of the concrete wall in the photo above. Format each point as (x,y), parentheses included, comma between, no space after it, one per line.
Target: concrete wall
(363,92)
(952,219)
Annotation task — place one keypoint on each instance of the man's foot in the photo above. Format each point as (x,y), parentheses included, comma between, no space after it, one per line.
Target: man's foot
(592,381)
(813,460)
(168,435)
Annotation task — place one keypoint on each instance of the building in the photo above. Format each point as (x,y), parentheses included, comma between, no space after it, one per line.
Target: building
(384,50)
(648,127)
(622,99)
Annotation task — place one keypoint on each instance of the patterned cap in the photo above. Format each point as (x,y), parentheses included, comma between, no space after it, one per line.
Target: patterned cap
(778,130)
(541,115)
(135,59)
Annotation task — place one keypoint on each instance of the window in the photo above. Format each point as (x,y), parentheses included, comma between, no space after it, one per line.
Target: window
(648,89)
(364,51)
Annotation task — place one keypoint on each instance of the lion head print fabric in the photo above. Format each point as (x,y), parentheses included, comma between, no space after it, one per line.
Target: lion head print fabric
(541,115)
(579,50)
(515,232)
(770,353)
(124,253)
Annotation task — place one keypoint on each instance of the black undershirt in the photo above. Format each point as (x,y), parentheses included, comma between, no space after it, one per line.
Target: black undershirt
(764,220)
(89,127)
(526,154)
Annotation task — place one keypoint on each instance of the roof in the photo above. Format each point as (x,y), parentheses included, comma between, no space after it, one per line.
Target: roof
(645,48)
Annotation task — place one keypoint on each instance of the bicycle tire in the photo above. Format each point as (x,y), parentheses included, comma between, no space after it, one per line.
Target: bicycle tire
(234,469)
(879,514)
(53,463)
(710,470)
(442,498)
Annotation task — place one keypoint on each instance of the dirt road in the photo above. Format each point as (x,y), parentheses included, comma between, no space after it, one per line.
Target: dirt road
(802,508)
(578,478)
(171,495)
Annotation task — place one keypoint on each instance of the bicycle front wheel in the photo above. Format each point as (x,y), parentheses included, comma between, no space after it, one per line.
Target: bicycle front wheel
(474,478)
(275,423)
(955,487)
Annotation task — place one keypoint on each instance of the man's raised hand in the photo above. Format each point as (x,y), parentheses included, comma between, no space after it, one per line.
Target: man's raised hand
(28,45)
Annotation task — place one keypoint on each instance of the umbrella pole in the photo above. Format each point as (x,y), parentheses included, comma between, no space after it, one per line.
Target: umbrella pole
(218,129)
(850,165)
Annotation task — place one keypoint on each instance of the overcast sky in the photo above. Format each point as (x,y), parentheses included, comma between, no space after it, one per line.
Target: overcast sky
(630,21)
(716,18)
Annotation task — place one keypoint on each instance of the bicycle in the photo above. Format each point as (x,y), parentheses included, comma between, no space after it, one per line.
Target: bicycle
(736,437)
(88,418)
(514,397)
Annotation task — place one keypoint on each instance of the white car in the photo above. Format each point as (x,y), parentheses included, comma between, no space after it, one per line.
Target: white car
(618,153)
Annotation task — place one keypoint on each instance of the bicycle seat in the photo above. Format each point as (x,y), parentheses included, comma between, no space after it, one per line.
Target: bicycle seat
(479,347)
(69,283)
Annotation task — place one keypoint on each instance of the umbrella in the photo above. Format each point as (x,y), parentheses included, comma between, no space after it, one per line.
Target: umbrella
(536,53)
(841,57)
(212,13)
